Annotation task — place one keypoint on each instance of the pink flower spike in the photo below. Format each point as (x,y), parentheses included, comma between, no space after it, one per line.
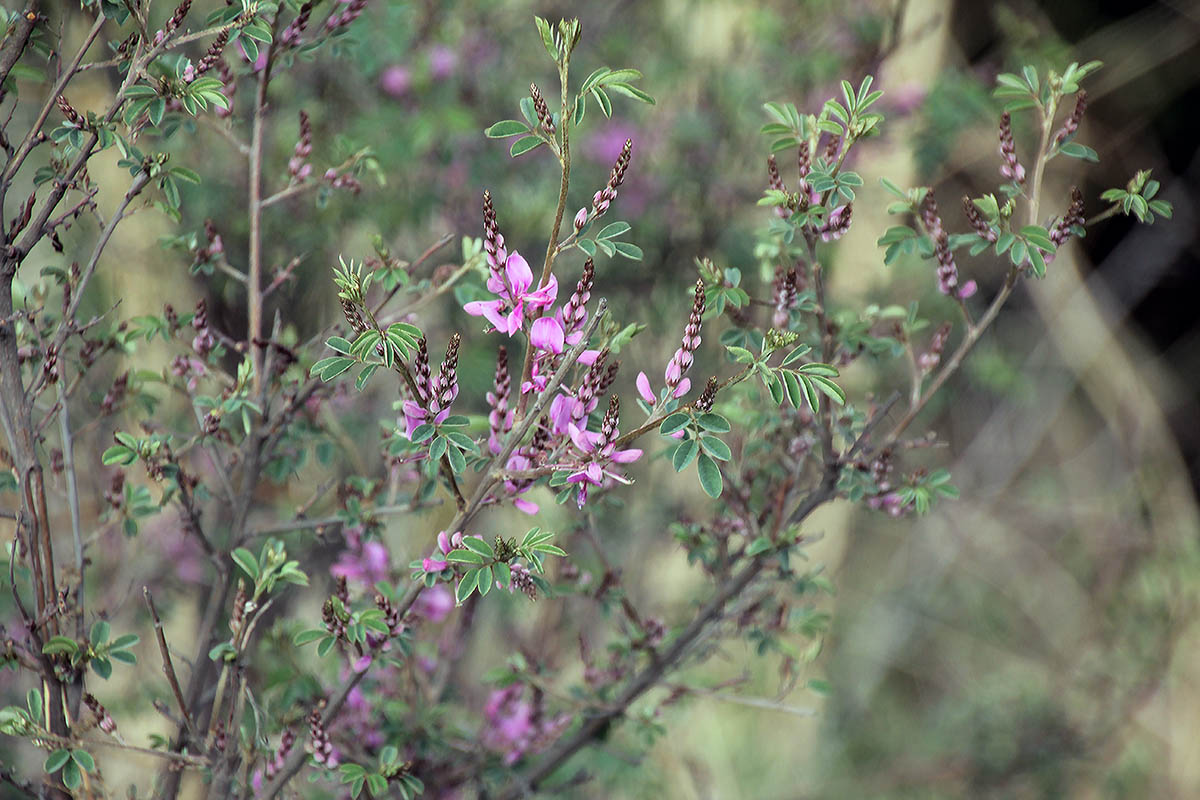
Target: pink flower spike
(643,387)
(547,334)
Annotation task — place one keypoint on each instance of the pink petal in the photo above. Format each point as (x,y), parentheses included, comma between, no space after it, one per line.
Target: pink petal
(362,663)
(685,385)
(520,277)
(626,456)
(969,288)
(587,357)
(547,334)
(580,438)
(433,565)
(443,542)
(643,387)
(545,295)
(513,322)
(491,310)
(525,505)
(674,371)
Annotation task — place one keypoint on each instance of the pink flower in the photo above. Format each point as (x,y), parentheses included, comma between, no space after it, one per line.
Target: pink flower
(414,415)
(365,562)
(442,62)
(599,450)
(395,81)
(514,300)
(547,334)
(683,386)
(433,565)
(434,603)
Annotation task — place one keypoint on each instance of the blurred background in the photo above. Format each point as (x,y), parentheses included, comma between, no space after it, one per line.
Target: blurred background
(1036,638)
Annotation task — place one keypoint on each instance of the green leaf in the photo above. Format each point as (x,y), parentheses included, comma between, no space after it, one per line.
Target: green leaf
(590,81)
(246,560)
(99,633)
(305,637)
(438,448)
(54,762)
(125,641)
(714,422)
(102,667)
(70,775)
(118,454)
(710,476)
(675,422)
(84,759)
(524,145)
(1038,236)
(458,462)
(613,229)
(684,454)
(468,584)
(422,432)
(602,99)
(505,128)
(485,581)
(716,448)
(630,251)
(1038,261)
(760,545)
(60,644)
(461,556)
(1076,150)
(629,91)
(547,37)
(480,546)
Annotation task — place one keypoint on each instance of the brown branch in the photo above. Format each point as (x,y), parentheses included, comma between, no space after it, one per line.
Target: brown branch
(168,667)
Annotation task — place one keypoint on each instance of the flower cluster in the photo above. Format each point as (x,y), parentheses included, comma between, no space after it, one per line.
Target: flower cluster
(433,397)
(596,452)
(947,272)
(677,384)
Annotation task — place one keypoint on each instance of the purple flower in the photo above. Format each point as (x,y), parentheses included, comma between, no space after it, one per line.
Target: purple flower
(442,62)
(599,450)
(414,415)
(434,603)
(514,299)
(365,562)
(395,81)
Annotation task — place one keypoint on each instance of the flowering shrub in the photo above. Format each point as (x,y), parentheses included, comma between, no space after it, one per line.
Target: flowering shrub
(362,686)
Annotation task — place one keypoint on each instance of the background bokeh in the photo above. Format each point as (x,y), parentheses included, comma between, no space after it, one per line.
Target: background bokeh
(1036,638)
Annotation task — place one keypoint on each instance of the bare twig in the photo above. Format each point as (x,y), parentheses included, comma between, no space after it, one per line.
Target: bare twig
(168,667)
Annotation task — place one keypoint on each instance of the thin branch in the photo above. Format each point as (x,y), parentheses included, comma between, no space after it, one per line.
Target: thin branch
(68,449)
(168,667)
